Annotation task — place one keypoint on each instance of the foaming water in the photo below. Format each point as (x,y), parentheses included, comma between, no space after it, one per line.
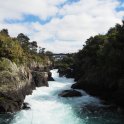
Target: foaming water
(48,108)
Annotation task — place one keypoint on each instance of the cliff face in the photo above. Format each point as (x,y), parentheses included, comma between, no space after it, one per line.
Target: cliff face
(16,83)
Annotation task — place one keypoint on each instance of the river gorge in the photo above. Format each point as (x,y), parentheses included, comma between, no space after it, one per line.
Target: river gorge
(49,108)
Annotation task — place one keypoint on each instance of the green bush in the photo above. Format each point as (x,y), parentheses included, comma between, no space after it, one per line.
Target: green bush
(11,49)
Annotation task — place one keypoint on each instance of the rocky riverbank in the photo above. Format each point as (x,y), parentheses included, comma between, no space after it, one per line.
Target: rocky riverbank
(112,95)
(18,81)
(98,68)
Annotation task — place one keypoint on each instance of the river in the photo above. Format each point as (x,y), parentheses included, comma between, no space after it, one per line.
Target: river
(49,108)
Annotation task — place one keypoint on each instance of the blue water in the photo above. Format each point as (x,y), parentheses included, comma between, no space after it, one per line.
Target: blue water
(48,108)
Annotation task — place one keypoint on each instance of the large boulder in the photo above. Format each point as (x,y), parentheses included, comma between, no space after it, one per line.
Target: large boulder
(26,106)
(70,93)
(50,78)
(66,71)
(76,86)
(40,78)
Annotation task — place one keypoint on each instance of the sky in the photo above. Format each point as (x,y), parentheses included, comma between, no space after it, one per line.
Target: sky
(60,26)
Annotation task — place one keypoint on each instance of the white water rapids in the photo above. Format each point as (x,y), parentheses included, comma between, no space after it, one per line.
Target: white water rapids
(49,108)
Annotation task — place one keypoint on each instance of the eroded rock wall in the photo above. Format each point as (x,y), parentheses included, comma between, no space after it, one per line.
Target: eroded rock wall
(16,82)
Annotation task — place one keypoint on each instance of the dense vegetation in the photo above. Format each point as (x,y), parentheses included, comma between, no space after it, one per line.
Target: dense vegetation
(99,66)
(20,50)
(23,67)
(65,66)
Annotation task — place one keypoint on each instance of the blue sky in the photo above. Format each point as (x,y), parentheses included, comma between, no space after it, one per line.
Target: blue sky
(121,7)
(35,18)
(60,25)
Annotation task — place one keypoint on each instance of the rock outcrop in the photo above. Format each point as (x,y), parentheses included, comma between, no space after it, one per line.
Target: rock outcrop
(40,78)
(16,82)
(70,93)
(26,106)
(50,78)
(67,72)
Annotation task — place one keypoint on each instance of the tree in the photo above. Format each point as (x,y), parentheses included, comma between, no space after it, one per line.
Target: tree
(24,41)
(41,50)
(99,66)
(49,53)
(33,46)
(10,48)
(4,32)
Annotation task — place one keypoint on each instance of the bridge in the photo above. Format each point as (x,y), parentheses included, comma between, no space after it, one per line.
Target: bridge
(59,56)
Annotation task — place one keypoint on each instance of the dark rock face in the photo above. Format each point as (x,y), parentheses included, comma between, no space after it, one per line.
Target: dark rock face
(16,83)
(70,93)
(67,72)
(76,86)
(11,101)
(50,78)
(26,106)
(40,78)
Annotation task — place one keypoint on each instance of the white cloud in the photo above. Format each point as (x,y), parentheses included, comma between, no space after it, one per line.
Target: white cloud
(14,9)
(80,21)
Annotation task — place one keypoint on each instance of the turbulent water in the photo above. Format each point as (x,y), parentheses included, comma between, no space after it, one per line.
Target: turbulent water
(48,108)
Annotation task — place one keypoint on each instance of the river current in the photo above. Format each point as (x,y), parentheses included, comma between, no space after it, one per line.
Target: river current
(49,108)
